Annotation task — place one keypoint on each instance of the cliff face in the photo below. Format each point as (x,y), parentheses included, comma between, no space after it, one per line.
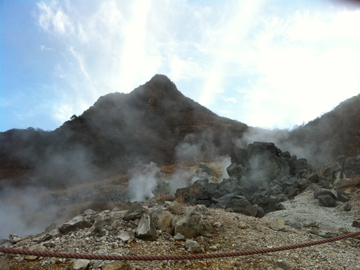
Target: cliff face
(119,130)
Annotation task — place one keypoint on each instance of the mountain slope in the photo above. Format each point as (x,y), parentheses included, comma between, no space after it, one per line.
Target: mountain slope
(119,130)
(334,133)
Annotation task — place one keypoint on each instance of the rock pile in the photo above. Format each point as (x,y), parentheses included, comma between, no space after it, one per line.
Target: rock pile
(261,177)
(171,228)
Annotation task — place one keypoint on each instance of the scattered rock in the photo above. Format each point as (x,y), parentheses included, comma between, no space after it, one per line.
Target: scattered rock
(356,223)
(187,224)
(278,225)
(135,212)
(117,266)
(146,228)
(342,196)
(347,207)
(162,219)
(124,236)
(193,246)
(35,248)
(14,238)
(326,200)
(283,265)
(78,222)
(51,227)
(80,264)
(179,237)
(176,208)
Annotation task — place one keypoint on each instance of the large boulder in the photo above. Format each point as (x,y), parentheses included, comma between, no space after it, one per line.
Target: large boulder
(78,222)
(240,204)
(188,224)
(146,228)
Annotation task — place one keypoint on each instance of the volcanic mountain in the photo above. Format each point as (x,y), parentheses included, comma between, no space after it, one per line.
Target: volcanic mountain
(155,122)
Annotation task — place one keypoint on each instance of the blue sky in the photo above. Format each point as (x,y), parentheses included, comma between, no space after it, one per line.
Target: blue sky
(272,64)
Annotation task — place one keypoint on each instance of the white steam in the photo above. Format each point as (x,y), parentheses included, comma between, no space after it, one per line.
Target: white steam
(143,182)
(23,212)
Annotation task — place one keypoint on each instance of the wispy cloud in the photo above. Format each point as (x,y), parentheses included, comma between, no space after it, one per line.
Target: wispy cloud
(283,59)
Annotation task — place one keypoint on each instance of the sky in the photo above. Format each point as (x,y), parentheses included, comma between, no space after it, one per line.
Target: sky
(270,64)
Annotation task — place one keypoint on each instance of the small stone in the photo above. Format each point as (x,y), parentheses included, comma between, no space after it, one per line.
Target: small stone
(193,246)
(283,265)
(51,227)
(347,207)
(124,236)
(356,223)
(243,225)
(179,237)
(116,266)
(89,212)
(14,238)
(80,264)
(217,224)
(34,248)
(213,247)
(278,225)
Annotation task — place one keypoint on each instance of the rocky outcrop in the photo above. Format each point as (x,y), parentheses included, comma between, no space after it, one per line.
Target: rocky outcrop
(261,177)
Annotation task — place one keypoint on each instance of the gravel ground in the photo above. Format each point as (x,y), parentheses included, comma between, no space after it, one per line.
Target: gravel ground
(231,232)
(305,211)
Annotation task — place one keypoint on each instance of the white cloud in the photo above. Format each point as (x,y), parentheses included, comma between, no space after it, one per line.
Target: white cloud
(62,112)
(231,99)
(43,48)
(282,62)
(52,16)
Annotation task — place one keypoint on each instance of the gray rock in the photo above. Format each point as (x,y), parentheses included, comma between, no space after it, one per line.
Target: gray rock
(35,248)
(89,212)
(284,265)
(146,228)
(342,196)
(117,266)
(278,225)
(162,219)
(205,227)
(124,236)
(240,204)
(179,237)
(135,212)
(322,192)
(14,238)
(80,264)
(51,227)
(193,246)
(347,207)
(176,208)
(356,223)
(78,222)
(187,224)
(47,236)
(327,201)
